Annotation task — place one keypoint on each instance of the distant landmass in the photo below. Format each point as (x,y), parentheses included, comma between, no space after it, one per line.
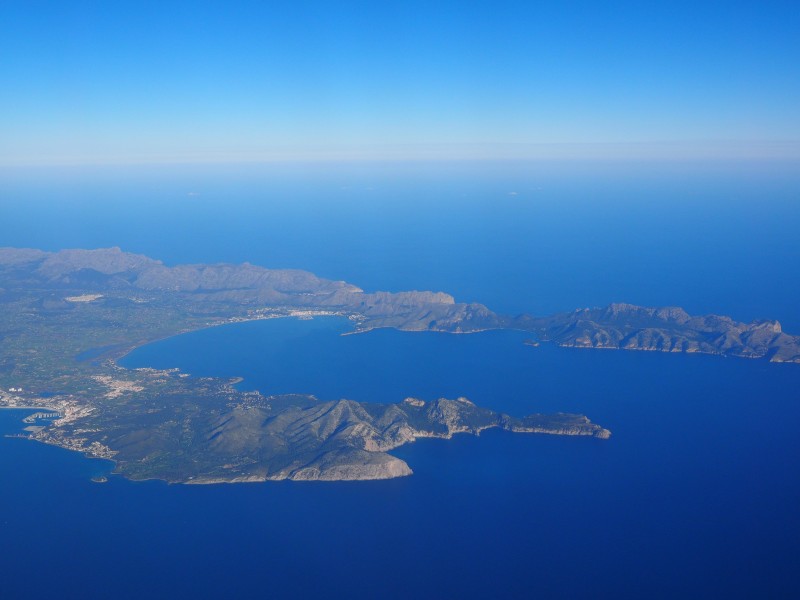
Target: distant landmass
(68,316)
(630,327)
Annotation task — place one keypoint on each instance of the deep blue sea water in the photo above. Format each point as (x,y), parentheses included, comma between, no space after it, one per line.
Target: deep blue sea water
(695,495)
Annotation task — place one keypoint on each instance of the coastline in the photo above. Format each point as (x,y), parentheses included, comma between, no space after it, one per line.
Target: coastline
(227,321)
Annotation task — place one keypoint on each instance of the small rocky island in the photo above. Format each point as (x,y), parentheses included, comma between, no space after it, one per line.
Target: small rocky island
(68,316)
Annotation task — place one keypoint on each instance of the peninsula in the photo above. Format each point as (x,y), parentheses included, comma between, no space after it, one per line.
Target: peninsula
(670,329)
(68,316)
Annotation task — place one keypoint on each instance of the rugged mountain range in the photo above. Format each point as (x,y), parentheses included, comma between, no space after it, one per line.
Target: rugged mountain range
(111,269)
(629,327)
(66,317)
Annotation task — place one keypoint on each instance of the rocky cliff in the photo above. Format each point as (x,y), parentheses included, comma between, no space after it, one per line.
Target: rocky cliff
(668,329)
(300,438)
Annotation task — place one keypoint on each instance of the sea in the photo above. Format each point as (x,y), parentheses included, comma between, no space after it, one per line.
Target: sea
(695,495)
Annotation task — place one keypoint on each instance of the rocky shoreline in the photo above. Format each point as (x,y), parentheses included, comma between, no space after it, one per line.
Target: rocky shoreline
(69,315)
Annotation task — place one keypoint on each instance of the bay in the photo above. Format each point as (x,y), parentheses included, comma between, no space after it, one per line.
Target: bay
(695,494)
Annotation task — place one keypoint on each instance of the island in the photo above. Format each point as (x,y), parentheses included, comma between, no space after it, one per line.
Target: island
(68,316)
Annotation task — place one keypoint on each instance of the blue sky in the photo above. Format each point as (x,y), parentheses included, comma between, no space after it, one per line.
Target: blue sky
(95,82)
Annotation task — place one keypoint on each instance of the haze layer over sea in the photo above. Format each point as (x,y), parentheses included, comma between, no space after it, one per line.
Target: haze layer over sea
(695,494)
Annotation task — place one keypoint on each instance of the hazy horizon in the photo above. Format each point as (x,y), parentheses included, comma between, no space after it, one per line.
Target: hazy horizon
(91,82)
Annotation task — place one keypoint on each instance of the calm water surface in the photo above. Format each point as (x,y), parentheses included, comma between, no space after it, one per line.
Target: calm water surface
(695,495)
